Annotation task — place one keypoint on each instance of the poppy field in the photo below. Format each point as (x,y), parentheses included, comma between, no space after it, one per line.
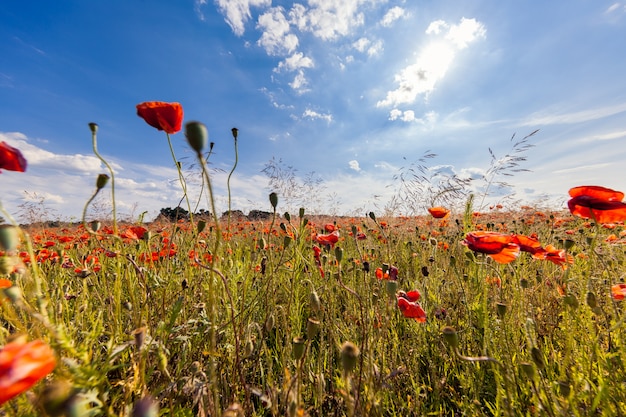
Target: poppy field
(508,312)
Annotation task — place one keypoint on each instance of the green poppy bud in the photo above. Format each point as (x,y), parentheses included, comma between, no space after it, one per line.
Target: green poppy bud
(298,348)
(274,200)
(102,181)
(450,336)
(349,355)
(9,237)
(197,136)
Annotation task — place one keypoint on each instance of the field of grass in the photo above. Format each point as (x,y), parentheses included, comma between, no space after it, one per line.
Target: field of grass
(504,312)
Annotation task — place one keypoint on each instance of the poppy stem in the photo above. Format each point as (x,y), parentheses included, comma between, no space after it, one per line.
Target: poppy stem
(181,177)
(94,142)
(234,130)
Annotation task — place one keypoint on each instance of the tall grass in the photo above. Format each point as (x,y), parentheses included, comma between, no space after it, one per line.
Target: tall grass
(241,318)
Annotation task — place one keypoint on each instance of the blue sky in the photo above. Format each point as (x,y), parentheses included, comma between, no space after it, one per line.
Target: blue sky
(352,91)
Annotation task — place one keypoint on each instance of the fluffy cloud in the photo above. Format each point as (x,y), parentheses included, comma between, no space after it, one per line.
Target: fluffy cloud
(276,38)
(237,12)
(294,62)
(392,15)
(354,165)
(311,114)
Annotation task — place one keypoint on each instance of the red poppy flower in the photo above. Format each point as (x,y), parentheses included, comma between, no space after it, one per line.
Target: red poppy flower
(558,256)
(22,365)
(5,283)
(599,203)
(11,159)
(329,239)
(530,245)
(500,247)
(162,115)
(438,212)
(411,310)
(413,295)
(618,291)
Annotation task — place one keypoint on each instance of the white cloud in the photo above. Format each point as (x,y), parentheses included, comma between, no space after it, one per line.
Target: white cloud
(311,114)
(276,38)
(376,48)
(294,62)
(330,19)
(237,12)
(433,61)
(299,83)
(392,15)
(354,165)
(361,44)
(466,32)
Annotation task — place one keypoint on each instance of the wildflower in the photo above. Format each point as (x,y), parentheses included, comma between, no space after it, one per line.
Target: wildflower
(599,203)
(411,309)
(618,291)
(500,247)
(529,244)
(558,256)
(438,212)
(22,365)
(162,115)
(380,274)
(11,159)
(413,295)
(329,239)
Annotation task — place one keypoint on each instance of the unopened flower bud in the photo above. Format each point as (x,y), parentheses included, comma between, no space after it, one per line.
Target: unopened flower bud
(273,199)
(102,181)
(312,328)
(349,355)
(537,356)
(314,300)
(450,336)
(9,237)
(338,254)
(392,287)
(501,309)
(197,136)
(528,369)
(95,225)
(298,345)
(591,300)
(235,132)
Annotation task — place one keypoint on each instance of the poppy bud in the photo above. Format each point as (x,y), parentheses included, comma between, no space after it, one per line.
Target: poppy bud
(523,283)
(501,310)
(197,136)
(338,254)
(7,263)
(249,349)
(287,216)
(270,322)
(528,369)
(564,388)
(571,300)
(537,356)
(235,132)
(298,348)
(9,237)
(201,226)
(314,300)
(301,212)
(591,301)
(568,243)
(102,180)
(274,200)
(372,215)
(349,355)
(93,127)
(95,225)
(286,241)
(451,337)
(140,337)
(312,328)
(391,287)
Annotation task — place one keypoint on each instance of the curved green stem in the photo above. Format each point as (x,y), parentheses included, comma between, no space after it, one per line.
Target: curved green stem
(94,141)
(181,178)
(228,183)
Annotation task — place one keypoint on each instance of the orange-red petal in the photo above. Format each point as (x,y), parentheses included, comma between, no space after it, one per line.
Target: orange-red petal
(162,115)
(597,191)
